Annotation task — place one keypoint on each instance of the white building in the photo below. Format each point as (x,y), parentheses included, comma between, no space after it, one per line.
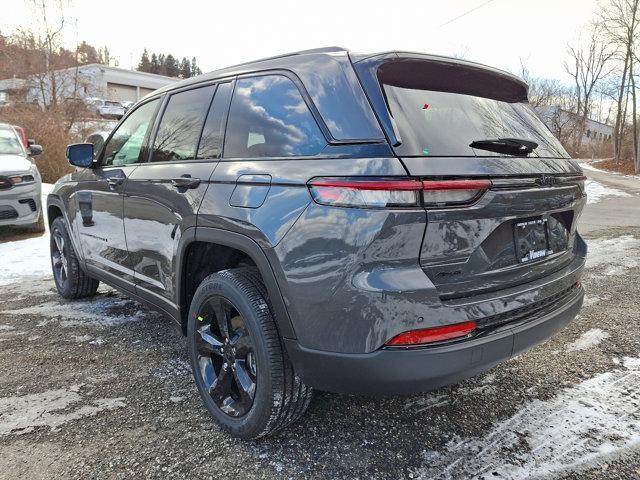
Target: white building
(86,81)
(558,119)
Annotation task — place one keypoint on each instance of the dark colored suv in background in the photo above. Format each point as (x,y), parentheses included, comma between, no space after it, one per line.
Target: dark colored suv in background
(374,224)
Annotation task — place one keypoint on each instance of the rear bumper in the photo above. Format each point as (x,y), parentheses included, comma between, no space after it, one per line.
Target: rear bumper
(387,372)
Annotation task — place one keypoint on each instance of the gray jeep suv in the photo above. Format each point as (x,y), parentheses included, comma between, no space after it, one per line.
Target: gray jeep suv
(374,224)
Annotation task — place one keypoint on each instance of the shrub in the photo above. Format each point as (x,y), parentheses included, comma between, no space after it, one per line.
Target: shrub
(48,128)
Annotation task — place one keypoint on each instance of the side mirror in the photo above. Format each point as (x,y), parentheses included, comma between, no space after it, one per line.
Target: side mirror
(35,150)
(80,154)
(31,141)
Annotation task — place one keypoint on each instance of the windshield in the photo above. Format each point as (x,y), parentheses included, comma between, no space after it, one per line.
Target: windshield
(10,143)
(446,123)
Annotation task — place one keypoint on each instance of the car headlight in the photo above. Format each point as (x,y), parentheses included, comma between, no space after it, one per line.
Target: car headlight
(28,177)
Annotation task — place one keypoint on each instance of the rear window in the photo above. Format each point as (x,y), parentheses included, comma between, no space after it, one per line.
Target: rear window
(437,117)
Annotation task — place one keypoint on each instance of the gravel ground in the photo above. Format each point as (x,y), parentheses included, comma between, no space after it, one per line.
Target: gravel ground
(102,389)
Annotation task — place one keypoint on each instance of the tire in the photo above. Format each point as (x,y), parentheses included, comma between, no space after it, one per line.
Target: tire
(71,281)
(279,397)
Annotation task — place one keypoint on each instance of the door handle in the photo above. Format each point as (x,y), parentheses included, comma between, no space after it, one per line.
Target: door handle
(185,181)
(115,181)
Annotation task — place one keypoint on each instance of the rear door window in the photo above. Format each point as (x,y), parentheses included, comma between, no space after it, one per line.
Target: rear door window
(181,124)
(268,117)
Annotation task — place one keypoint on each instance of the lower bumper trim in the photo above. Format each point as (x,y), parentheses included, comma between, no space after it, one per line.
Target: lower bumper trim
(390,372)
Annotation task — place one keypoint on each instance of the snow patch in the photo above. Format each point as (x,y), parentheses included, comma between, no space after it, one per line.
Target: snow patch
(53,408)
(596,418)
(590,300)
(597,191)
(618,254)
(172,368)
(102,312)
(588,339)
(427,402)
(28,258)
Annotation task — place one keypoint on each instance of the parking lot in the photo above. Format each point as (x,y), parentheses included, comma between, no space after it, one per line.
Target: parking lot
(102,388)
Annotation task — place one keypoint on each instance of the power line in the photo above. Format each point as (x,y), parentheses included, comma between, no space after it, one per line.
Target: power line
(466,13)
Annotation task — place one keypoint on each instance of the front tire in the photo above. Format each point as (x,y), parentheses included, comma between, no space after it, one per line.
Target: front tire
(242,372)
(71,281)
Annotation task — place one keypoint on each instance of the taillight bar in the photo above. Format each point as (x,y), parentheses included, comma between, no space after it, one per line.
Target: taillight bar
(402,185)
(395,193)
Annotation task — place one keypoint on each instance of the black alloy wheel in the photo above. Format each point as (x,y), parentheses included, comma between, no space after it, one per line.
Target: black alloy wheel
(226,357)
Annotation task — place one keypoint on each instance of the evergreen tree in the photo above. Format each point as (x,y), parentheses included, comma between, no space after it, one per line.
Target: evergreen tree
(155,65)
(195,69)
(87,54)
(185,68)
(145,64)
(162,65)
(171,65)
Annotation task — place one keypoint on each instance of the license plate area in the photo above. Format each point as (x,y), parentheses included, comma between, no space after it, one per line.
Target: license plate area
(531,238)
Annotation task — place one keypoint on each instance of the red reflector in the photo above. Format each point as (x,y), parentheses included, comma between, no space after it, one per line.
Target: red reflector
(457,185)
(430,335)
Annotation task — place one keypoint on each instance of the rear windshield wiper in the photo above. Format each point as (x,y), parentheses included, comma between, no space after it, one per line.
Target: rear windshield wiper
(509,146)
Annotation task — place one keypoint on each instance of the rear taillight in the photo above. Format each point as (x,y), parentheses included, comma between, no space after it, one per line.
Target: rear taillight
(394,193)
(453,192)
(431,335)
(366,193)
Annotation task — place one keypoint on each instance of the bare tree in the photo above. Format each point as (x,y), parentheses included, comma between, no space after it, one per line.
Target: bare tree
(620,20)
(588,66)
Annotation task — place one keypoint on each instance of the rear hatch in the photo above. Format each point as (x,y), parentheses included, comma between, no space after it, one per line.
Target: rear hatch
(448,121)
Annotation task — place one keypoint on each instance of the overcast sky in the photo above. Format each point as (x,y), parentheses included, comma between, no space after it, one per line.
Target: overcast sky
(496,32)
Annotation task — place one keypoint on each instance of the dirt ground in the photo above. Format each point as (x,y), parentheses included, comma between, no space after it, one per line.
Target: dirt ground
(102,389)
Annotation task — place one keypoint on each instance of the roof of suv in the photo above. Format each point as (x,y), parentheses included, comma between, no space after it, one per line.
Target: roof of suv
(330,84)
(288,60)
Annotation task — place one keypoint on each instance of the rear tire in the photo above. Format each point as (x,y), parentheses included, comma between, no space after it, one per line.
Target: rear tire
(71,281)
(276,396)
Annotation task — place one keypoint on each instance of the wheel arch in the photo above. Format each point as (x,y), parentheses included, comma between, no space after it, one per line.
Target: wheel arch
(252,250)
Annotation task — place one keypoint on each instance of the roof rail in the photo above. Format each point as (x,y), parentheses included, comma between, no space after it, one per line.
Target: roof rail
(301,52)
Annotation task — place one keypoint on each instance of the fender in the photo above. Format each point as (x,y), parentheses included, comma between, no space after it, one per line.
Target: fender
(254,251)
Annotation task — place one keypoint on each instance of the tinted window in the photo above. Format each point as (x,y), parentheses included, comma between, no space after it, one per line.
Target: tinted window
(436,123)
(212,134)
(181,124)
(126,143)
(269,118)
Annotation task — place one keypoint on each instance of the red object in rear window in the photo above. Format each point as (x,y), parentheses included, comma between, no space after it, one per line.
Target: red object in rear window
(431,335)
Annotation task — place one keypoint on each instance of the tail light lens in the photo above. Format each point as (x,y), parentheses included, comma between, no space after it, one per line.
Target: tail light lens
(394,193)
(453,192)
(431,335)
(366,193)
